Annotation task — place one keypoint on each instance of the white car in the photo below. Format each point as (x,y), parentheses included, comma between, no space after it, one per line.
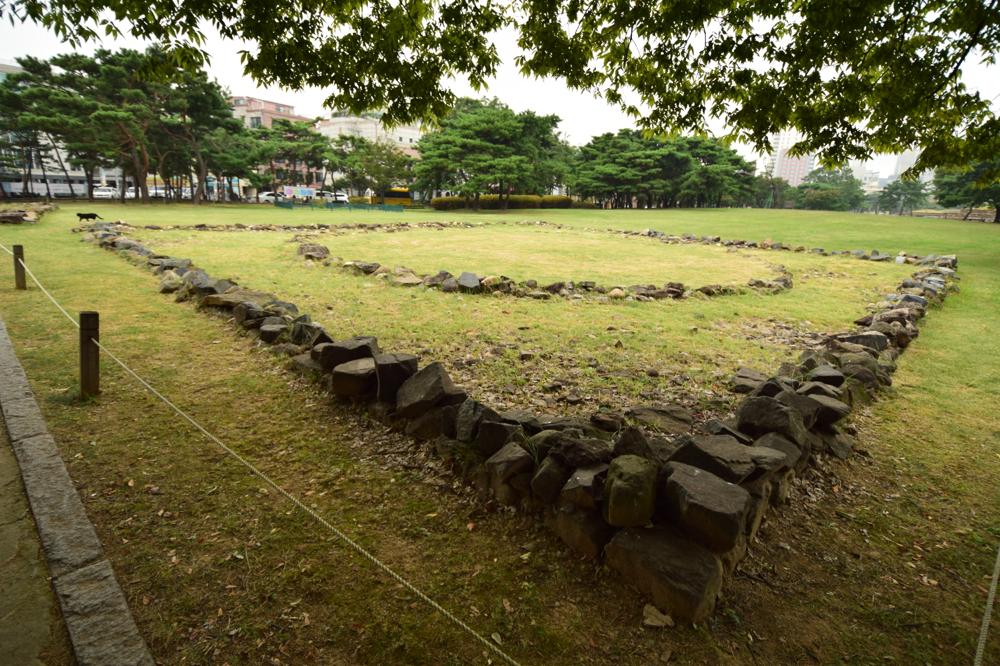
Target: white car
(334,197)
(271,197)
(105,193)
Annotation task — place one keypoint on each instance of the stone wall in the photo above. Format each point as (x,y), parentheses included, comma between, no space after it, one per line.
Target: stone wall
(668,502)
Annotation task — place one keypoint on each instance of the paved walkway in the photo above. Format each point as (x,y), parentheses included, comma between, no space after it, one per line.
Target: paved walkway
(31,629)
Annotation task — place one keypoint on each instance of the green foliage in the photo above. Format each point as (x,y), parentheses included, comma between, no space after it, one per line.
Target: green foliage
(903,195)
(854,78)
(830,189)
(378,165)
(485,147)
(630,169)
(495,202)
(975,185)
(556,201)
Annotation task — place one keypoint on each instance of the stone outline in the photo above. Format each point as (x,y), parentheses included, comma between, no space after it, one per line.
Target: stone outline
(787,420)
(95,612)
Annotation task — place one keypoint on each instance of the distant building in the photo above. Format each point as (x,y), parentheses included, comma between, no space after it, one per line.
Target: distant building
(369,126)
(780,164)
(907,159)
(7,69)
(262,113)
(869,177)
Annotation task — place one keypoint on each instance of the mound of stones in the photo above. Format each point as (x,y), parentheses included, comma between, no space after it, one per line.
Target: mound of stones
(669,502)
(471,283)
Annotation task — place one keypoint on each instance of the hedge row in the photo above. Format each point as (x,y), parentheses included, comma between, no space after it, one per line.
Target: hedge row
(493,202)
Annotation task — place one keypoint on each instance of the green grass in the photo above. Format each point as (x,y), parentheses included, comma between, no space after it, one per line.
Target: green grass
(887,559)
(553,255)
(694,345)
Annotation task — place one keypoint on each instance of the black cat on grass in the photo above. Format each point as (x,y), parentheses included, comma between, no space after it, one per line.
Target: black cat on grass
(88,216)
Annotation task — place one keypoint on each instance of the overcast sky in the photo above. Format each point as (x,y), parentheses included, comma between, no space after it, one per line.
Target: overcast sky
(583,116)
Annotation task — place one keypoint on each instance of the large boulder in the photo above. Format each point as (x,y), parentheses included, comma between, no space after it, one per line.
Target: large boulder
(170,282)
(470,414)
(314,251)
(491,436)
(332,354)
(870,339)
(391,371)
(583,531)
(549,479)
(794,456)
(669,419)
(630,491)
(469,283)
(826,374)
(830,410)
(720,454)
(429,387)
(576,452)
(760,415)
(680,576)
(709,509)
(353,379)
(271,333)
(584,488)
(507,463)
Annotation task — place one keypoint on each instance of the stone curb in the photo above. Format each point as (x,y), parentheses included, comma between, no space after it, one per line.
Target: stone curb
(94,609)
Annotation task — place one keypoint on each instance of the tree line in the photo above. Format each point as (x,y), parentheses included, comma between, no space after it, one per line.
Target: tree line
(143,114)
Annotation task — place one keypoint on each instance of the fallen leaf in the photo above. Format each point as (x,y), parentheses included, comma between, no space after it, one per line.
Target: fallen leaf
(653,617)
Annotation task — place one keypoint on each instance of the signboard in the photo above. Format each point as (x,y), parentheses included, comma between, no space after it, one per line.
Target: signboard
(301,192)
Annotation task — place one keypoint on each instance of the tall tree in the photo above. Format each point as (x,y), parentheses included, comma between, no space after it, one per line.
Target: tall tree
(903,195)
(975,185)
(381,164)
(830,189)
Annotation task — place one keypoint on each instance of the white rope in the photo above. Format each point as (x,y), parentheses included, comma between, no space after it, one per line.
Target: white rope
(358,548)
(984,631)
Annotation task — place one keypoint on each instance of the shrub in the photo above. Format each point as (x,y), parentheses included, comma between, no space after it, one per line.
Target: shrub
(358,200)
(490,202)
(584,204)
(556,201)
(447,203)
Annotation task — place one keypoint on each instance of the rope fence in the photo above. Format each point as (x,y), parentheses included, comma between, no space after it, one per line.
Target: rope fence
(351,543)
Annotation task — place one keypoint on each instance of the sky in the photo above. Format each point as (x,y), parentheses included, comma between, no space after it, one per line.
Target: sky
(583,115)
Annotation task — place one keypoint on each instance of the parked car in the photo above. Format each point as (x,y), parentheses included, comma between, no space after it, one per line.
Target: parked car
(333,197)
(105,193)
(271,197)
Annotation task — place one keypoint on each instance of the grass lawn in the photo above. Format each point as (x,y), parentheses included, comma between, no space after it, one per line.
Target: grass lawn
(599,352)
(886,558)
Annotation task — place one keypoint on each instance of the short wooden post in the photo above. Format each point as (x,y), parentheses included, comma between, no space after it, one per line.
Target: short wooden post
(90,360)
(19,281)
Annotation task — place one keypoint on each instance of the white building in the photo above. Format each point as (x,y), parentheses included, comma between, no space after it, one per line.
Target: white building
(907,159)
(780,164)
(869,176)
(404,137)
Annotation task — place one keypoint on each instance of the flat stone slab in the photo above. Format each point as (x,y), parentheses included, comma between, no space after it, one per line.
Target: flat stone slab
(97,616)
(680,576)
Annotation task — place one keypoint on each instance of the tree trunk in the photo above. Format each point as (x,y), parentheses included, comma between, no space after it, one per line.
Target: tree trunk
(27,187)
(200,194)
(45,176)
(62,165)
(88,174)
(996,213)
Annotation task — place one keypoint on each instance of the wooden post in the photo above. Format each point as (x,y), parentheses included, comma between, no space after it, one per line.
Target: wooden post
(19,281)
(90,361)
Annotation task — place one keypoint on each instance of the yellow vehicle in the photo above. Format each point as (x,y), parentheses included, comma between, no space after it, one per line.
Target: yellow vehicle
(399,196)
